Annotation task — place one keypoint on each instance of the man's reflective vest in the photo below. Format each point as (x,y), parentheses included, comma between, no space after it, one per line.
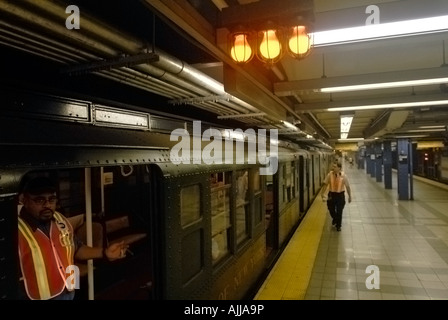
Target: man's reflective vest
(44,260)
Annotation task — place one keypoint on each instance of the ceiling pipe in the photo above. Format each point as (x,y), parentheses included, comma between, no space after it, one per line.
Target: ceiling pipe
(168,68)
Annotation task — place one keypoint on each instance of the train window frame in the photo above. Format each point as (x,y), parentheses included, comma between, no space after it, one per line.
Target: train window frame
(221,239)
(192,233)
(294,180)
(195,219)
(257,190)
(242,180)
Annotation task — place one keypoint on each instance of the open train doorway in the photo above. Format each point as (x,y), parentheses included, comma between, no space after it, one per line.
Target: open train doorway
(106,205)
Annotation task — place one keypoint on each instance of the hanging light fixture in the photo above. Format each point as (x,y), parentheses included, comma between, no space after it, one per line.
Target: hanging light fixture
(271,28)
(269,43)
(240,48)
(299,42)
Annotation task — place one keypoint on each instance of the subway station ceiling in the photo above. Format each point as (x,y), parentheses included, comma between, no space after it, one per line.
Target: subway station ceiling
(169,55)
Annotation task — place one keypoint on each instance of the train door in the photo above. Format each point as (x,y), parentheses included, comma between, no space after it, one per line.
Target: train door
(316,174)
(303,185)
(312,171)
(308,185)
(105,205)
(126,212)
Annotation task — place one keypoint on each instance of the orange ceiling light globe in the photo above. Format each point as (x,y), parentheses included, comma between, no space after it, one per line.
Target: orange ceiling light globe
(270,48)
(240,51)
(299,42)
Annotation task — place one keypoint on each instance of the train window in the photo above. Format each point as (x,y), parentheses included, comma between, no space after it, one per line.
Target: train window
(190,204)
(192,259)
(242,205)
(256,185)
(293,177)
(285,184)
(256,181)
(288,182)
(296,180)
(220,210)
(281,185)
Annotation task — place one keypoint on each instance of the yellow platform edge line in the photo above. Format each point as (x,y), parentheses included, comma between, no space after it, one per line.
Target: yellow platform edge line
(290,276)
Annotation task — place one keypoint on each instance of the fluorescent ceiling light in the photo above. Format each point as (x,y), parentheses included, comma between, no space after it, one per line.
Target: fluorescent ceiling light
(346,122)
(433,127)
(350,139)
(391,105)
(385,85)
(426,130)
(411,136)
(380,31)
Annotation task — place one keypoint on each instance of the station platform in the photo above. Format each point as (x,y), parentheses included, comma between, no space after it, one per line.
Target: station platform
(387,249)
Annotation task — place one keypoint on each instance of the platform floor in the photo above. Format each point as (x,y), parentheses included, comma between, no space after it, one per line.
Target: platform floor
(403,242)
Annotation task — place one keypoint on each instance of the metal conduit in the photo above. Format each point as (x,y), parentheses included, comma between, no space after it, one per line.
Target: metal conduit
(167,68)
(133,81)
(30,50)
(138,79)
(39,22)
(35,47)
(33,37)
(104,33)
(154,85)
(130,45)
(140,83)
(36,44)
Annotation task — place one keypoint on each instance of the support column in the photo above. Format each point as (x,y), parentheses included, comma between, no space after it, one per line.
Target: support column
(378,162)
(387,164)
(371,160)
(403,168)
(361,159)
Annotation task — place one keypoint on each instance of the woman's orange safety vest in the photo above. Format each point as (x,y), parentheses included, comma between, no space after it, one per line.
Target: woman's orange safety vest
(44,260)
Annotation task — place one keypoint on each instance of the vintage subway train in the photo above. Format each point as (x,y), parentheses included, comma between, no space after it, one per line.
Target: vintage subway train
(196,231)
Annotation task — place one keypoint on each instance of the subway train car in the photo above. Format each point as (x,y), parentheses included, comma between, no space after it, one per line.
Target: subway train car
(195,231)
(431,162)
(429,159)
